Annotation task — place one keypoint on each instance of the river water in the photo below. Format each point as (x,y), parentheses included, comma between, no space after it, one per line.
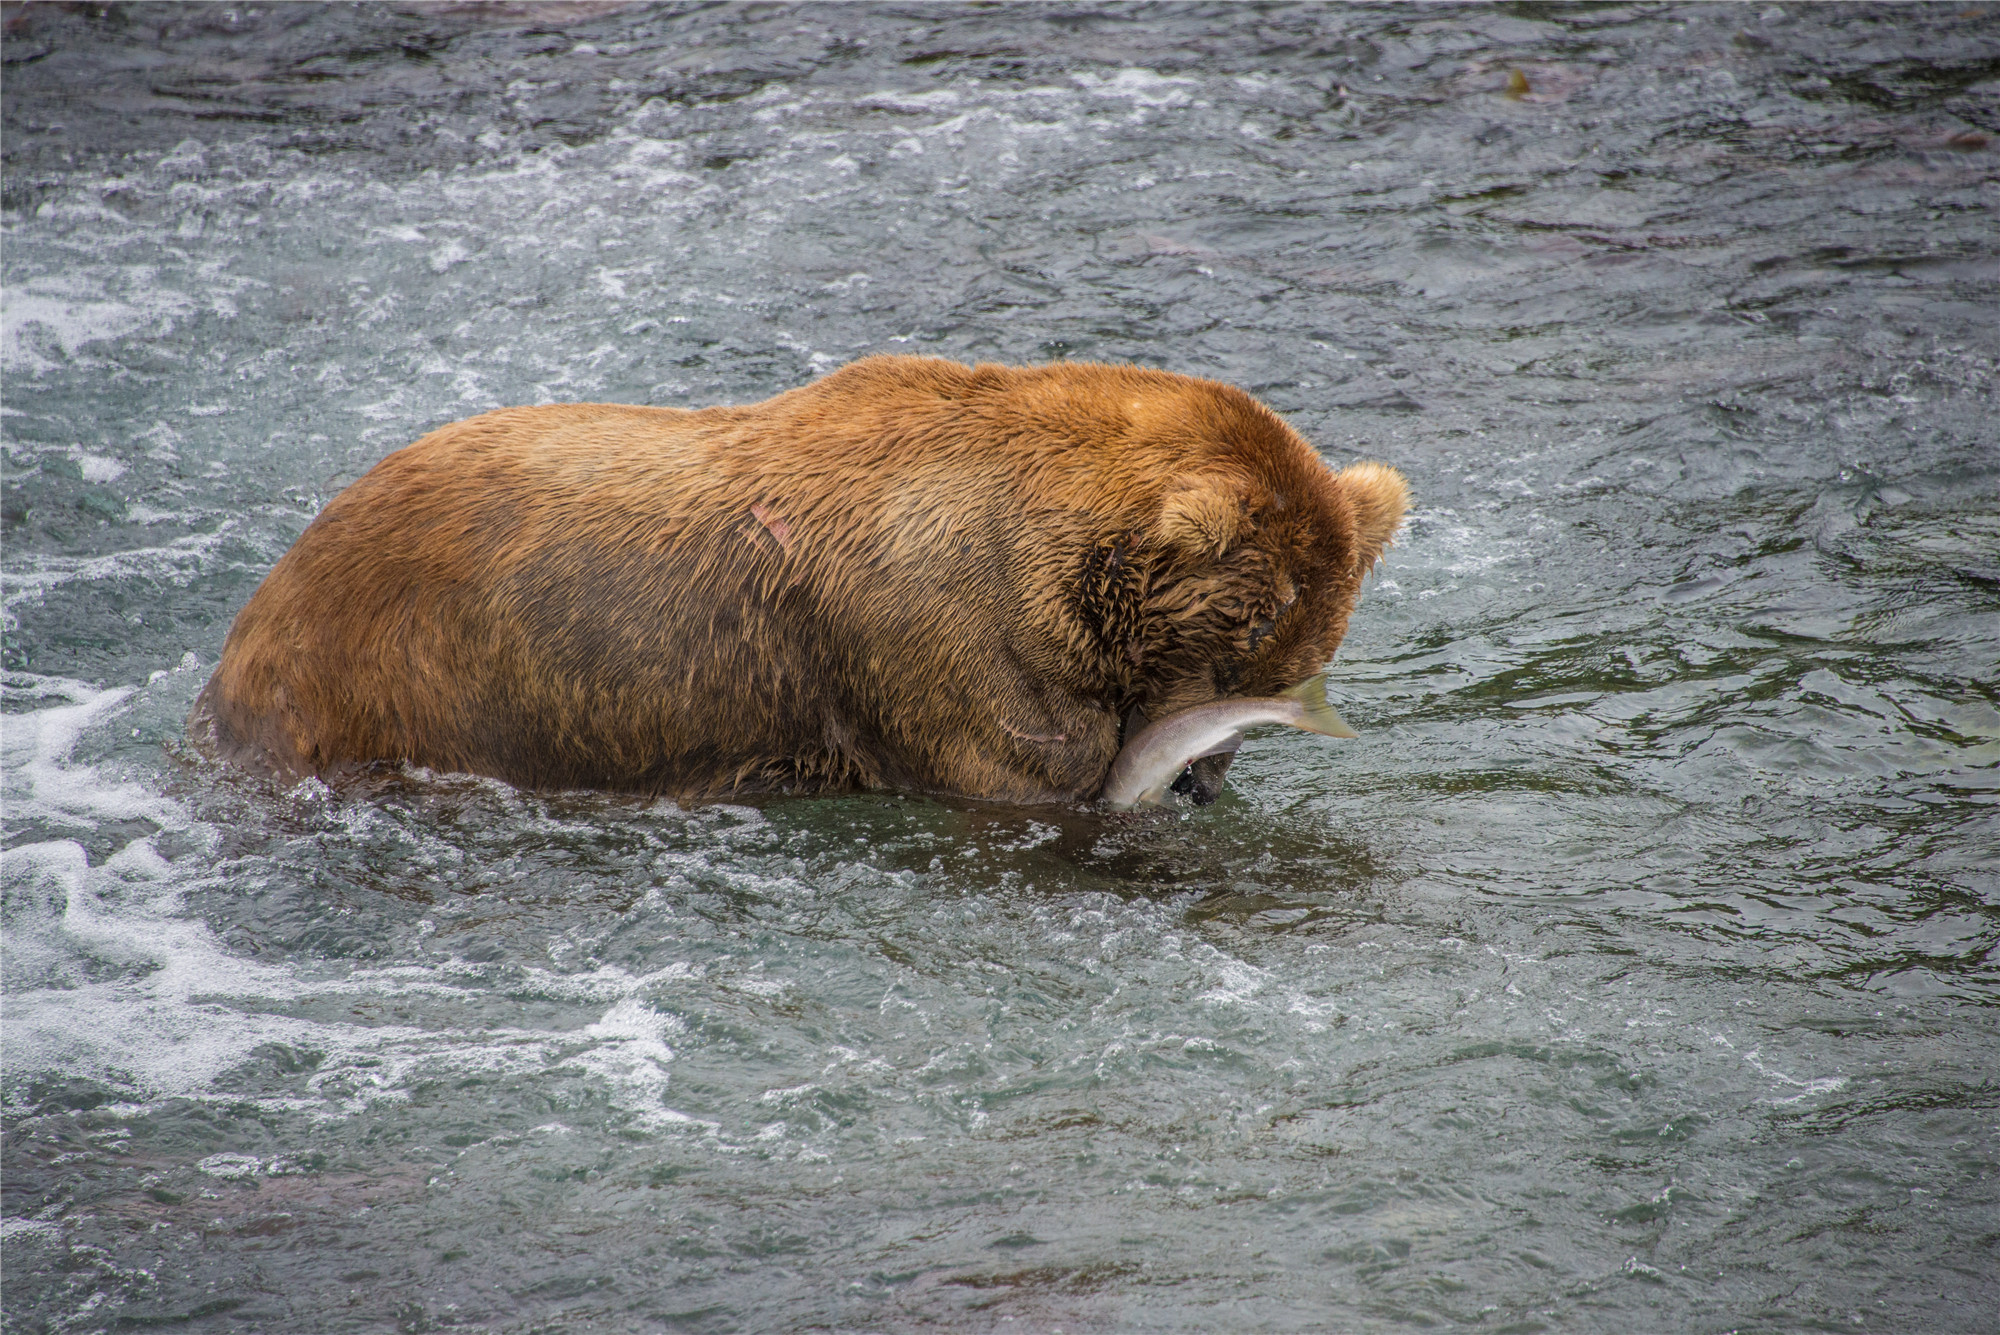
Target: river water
(1634,970)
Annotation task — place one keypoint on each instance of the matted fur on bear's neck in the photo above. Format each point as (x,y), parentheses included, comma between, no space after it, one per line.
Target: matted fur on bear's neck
(909,574)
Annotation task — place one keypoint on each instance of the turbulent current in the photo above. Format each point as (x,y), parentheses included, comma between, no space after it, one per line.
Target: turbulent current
(1633,971)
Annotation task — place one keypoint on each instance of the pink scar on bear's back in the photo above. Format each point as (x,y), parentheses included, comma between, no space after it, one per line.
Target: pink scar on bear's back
(1020,736)
(774,524)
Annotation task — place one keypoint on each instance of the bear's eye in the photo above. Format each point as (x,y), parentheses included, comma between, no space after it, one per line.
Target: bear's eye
(1261,629)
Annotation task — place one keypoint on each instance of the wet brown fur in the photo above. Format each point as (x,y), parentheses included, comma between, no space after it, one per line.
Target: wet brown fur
(910,574)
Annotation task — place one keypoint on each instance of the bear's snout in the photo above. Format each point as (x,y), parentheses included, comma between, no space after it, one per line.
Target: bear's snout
(1202,780)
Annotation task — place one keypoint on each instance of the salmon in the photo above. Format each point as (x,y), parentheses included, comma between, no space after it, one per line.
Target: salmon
(1146,768)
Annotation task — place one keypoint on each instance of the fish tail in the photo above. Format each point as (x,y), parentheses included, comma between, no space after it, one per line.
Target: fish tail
(1316,715)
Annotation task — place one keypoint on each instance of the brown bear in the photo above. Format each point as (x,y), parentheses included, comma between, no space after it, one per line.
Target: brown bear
(911,574)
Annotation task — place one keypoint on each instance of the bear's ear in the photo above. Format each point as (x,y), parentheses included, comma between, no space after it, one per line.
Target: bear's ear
(1203,517)
(1379,496)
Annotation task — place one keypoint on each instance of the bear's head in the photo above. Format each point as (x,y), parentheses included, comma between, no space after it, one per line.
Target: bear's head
(1243,565)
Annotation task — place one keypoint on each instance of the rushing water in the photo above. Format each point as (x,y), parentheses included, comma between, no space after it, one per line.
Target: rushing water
(1633,971)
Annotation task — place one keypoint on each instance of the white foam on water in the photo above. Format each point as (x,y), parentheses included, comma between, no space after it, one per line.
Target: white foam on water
(1463,549)
(185,1012)
(1233,982)
(96,468)
(138,512)
(77,310)
(133,993)
(14,1230)
(34,746)
(179,563)
(1808,1089)
(936,99)
(231,1167)
(1141,86)
(630,1053)
(174,1019)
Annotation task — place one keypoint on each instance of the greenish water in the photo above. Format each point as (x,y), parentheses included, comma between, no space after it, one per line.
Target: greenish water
(1634,970)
